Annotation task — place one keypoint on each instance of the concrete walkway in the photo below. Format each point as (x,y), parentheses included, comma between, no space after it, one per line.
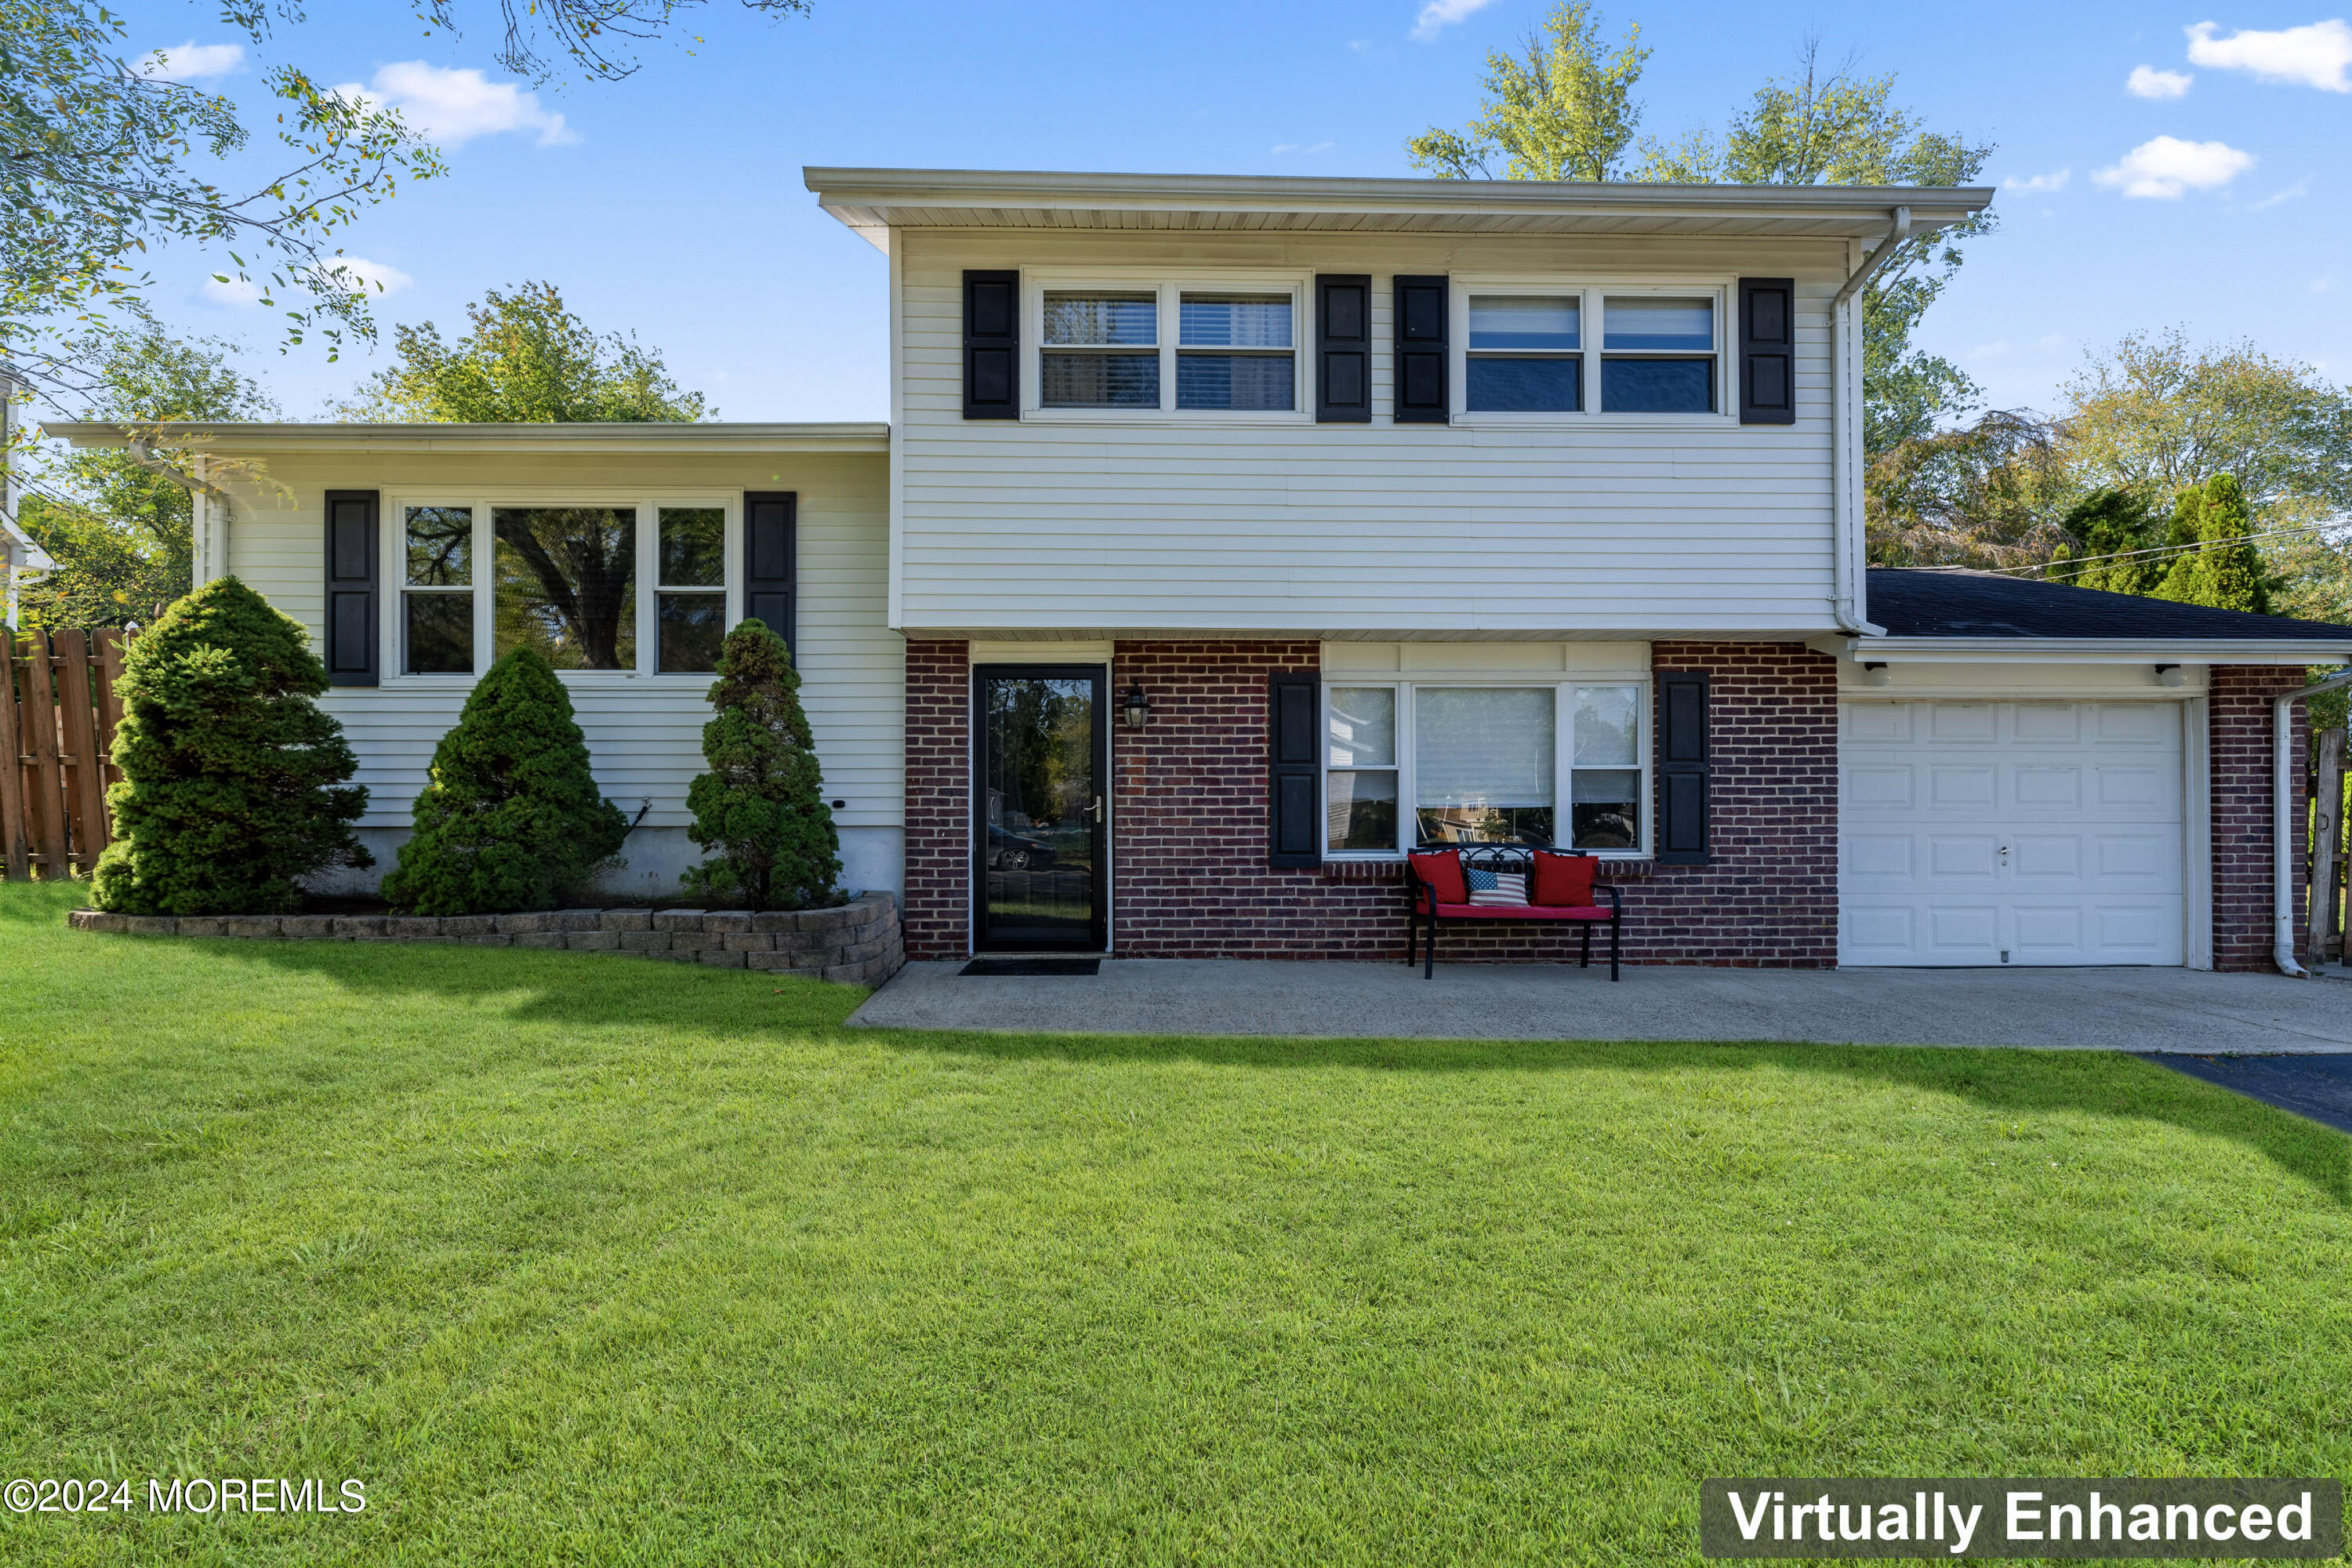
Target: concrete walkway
(2151,1010)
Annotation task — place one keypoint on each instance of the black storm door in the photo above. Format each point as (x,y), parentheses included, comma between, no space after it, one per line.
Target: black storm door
(1039,838)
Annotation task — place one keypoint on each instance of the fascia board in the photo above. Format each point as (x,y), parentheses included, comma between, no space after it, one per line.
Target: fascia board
(273,437)
(2087,651)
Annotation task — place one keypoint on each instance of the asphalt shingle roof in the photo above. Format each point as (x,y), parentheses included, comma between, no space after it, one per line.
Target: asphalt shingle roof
(1983,604)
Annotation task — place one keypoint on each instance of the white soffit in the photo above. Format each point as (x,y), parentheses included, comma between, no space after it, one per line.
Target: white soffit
(712,437)
(874,201)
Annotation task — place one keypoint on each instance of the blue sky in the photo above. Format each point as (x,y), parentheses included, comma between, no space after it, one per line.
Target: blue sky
(2143,187)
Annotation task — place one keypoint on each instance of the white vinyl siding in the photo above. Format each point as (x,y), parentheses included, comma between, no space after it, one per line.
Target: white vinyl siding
(1129,521)
(645,733)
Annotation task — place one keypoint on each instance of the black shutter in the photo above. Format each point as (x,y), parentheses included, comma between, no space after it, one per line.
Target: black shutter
(770,553)
(1343,349)
(1421,313)
(1768,351)
(992,345)
(354,567)
(1682,770)
(1296,837)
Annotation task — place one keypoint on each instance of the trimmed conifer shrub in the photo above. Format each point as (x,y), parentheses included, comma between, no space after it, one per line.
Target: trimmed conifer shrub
(761,806)
(511,819)
(232,775)
(2228,572)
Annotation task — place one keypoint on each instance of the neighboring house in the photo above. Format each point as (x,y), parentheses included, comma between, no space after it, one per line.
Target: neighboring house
(1230,535)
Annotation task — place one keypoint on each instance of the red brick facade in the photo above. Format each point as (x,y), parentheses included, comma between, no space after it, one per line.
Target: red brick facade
(1190,828)
(2240,742)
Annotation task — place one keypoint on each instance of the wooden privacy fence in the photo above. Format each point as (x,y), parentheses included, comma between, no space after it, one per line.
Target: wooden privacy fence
(58,710)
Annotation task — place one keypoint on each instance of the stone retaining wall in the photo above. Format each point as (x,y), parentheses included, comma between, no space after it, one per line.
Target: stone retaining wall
(859,943)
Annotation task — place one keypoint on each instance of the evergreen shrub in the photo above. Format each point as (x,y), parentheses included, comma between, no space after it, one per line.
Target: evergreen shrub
(761,806)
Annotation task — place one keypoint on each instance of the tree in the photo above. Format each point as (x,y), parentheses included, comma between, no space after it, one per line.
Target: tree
(2116,544)
(1990,494)
(510,819)
(1827,126)
(2219,564)
(761,806)
(232,775)
(1559,109)
(121,533)
(527,360)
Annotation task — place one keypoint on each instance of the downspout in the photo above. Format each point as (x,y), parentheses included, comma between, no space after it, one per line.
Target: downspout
(201,490)
(2282,822)
(1845,432)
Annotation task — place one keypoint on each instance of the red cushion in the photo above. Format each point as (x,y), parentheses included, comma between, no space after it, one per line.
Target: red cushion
(1524,912)
(1563,880)
(1442,869)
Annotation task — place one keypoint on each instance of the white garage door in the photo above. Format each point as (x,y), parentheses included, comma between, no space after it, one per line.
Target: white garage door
(2011,832)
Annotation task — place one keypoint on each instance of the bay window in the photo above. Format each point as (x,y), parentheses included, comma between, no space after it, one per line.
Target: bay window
(614,588)
(1423,762)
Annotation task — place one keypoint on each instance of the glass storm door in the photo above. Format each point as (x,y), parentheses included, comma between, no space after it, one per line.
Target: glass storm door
(1037,806)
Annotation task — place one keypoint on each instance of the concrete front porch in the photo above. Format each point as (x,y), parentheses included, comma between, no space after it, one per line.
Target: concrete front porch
(2158,1010)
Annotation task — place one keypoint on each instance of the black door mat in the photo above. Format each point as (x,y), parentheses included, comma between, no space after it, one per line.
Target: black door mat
(990,966)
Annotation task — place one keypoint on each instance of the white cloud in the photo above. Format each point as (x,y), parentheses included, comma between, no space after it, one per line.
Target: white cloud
(361,276)
(2317,55)
(222,290)
(451,107)
(2041,182)
(1439,15)
(2300,188)
(190,61)
(2164,167)
(2147,81)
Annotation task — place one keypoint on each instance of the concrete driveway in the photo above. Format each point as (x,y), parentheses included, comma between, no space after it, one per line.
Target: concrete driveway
(2152,1010)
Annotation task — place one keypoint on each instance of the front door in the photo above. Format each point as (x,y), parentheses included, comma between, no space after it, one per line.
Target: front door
(1039,834)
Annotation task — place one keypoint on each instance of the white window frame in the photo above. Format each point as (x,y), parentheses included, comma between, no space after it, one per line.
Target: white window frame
(1563,689)
(647,505)
(1592,291)
(1169,290)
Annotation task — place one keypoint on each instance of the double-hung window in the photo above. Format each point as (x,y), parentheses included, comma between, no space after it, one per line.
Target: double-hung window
(1448,762)
(1174,348)
(1523,354)
(1658,353)
(1531,351)
(614,587)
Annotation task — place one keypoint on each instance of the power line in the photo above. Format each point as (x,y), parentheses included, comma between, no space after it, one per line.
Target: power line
(2160,550)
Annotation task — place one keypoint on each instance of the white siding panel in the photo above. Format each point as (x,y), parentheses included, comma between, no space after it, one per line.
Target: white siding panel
(1050,524)
(645,742)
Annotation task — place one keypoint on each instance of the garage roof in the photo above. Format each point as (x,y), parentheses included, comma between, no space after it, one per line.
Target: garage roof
(1961,603)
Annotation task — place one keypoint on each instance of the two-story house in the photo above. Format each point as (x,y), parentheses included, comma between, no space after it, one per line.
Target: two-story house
(1230,536)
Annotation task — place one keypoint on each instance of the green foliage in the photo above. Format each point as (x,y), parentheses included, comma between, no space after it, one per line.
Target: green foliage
(120,533)
(1990,494)
(232,776)
(511,819)
(761,806)
(2225,570)
(2111,527)
(527,360)
(1559,109)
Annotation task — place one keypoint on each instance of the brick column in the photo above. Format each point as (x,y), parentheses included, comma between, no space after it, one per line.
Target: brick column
(2239,745)
(938,908)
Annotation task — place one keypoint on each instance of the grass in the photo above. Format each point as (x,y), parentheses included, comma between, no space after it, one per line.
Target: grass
(585,1260)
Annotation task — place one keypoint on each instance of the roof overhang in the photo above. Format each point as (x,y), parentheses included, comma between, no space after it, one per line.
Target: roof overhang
(18,550)
(875,201)
(2085,650)
(602,439)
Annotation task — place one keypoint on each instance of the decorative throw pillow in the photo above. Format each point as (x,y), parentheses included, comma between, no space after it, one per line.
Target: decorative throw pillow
(1565,880)
(1496,887)
(1442,869)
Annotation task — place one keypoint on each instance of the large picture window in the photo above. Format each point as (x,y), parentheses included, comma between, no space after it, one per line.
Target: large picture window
(1416,764)
(620,588)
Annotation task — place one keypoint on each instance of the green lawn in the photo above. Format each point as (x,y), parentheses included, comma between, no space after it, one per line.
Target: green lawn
(591,1260)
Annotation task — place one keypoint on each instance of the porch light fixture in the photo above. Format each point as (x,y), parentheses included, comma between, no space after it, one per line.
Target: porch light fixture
(1135,707)
(2171,675)
(1877,675)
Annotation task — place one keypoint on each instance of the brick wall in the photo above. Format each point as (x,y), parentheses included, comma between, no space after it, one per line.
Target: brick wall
(2240,743)
(937,917)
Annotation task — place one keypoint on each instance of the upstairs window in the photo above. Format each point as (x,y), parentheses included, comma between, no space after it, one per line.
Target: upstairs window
(1657,354)
(1523,354)
(1091,358)
(1251,367)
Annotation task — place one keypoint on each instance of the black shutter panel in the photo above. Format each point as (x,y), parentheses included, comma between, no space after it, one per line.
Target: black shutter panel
(1768,351)
(1343,349)
(992,345)
(354,566)
(1421,313)
(1682,769)
(1296,837)
(770,553)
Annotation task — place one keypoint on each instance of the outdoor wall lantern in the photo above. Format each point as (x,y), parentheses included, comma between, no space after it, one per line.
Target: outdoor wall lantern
(1135,707)
(2171,675)
(1877,675)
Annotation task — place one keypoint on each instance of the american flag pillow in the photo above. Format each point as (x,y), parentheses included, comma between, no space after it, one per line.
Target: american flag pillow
(1496,887)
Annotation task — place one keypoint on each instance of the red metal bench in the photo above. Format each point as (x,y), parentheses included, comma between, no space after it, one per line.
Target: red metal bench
(1559,883)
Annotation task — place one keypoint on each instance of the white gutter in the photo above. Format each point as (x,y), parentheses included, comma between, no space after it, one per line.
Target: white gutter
(212,555)
(1845,433)
(2282,822)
